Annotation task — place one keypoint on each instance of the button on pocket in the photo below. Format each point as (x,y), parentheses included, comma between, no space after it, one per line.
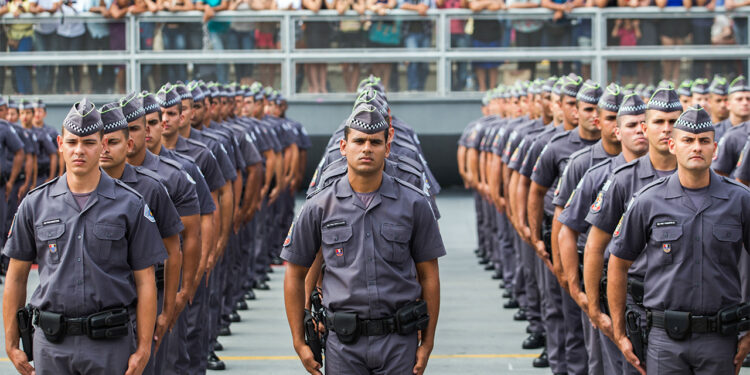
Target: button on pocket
(106,245)
(398,237)
(49,243)
(335,240)
(729,239)
(667,239)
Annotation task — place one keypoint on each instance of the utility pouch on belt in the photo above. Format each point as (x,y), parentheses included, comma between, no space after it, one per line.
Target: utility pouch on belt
(311,337)
(677,324)
(109,324)
(346,326)
(734,319)
(635,289)
(412,317)
(53,326)
(635,333)
(25,316)
(547,234)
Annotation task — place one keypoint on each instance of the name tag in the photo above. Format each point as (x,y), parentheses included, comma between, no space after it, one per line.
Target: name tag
(666,223)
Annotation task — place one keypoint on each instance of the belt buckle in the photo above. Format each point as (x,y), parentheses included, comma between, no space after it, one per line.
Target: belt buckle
(76,327)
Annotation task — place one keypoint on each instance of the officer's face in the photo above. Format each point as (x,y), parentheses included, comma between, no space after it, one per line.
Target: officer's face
(199,110)
(247,106)
(629,132)
(547,104)
(215,108)
(694,152)
(365,153)
(739,103)
(12,115)
(26,116)
(658,129)
(686,101)
(115,149)
(569,110)
(153,131)
(556,108)
(515,107)
(258,108)
(171,118)
(81,154)
(237,107)
(39,115)
(137,131)
(187,113)
(3,111)
(606,122)
(587,116)
(702,100)
(719,106)
(495,107)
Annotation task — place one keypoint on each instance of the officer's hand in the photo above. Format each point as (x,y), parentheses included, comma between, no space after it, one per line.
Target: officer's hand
(526,233)
(743,348)
(162,323)
(423,354)
(603,323)
(273,195)
(8,189)
(308,360)
(541,252)
(22,192)
(179,305)
(626,347)
(137,363)
(582,300)
(237,221)
(21,361)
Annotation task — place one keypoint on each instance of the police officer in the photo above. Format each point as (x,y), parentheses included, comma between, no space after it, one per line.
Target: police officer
(11,163)
(700,93)
(12,113)
(683,91)
(660,114)
(691,228)
(47,152)
(730,144)
(25,180)
(718,100)
(96,242)
(48,169)
(358,224)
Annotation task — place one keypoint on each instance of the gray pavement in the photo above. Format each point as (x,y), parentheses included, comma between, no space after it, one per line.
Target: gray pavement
(475,334)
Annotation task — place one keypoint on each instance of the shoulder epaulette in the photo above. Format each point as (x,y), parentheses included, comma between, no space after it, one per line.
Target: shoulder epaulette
(409,169)
(43,185)
(411,162)
(171,162)
(734,182)
(318,190)
(188,157)
(197,143)
(650,185)
(147,172)
(600,164)
(582,152)
(627,165)
(558,136)
(410,186)
(128,188)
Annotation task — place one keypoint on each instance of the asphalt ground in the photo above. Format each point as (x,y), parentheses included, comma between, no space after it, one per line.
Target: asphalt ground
(475,334)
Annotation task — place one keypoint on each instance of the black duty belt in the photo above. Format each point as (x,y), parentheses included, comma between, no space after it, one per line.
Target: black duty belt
(681,320)
(369,327)
(106,324)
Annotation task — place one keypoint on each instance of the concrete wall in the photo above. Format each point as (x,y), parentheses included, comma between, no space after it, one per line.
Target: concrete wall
(438,123)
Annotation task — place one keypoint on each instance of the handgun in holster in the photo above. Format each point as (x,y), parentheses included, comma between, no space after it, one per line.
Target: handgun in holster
(547,234)
(25,316)
(311,337)
(315,339)
(635,333)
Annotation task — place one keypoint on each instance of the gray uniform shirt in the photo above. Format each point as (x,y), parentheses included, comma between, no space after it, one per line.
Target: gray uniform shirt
(730,147)
(155,195)
(370,253)
(743,167)
(205,200)
(204,159)
(692,252)
(180,185)
(580,162)
(86,257)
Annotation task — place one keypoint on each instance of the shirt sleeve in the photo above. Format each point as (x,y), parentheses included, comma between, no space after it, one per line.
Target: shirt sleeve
(631,236)
(427,243)
(726,155)
(167,219)
(46,142)
(608,207)
(227,169)
(12,141)
(571,176)
(145,247)
(577,206)
(184,197)
(532,154)
(742,171)
(21,242)
(212,173)
(303,240)
(545,169)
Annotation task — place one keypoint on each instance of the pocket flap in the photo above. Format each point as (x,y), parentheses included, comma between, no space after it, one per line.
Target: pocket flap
(111,232)
(396,233)
(50,231)
(663,234)
(731,233)
(334,235)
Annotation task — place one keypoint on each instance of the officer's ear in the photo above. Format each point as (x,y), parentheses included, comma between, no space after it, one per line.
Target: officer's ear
(671,145)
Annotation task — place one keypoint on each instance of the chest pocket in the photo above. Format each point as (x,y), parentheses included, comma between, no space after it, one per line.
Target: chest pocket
(336,247)
(668,247)
(107,246)
(397,236)
(49,245)
(729,238)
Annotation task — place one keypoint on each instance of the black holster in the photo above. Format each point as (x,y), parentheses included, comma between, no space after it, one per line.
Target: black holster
(547,234)
(159,270)
(635,289)
(412,317)
(638,337)
(603,301)
(312,339)
(25,316)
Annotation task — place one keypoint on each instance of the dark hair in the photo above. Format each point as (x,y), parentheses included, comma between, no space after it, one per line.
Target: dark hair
(347,129)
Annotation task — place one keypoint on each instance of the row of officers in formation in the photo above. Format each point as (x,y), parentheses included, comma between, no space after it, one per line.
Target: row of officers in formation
(164,213)
(617,220)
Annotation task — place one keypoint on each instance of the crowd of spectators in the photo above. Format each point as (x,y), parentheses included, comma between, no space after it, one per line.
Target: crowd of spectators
(413,33)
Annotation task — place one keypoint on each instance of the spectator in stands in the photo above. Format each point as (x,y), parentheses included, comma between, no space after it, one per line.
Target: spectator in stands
(174,37)
(627,32)
(558,32)
(673,32)
(3,44)
(102,77)
(649,29)
(317,35)
(461,77)
(486,33)
(217,32)
(528,32)
(383,34)
(417,34)
(45,39)
(266,37)
(19,40)
(351,35)
(71,35)
(242,37)
(118,10)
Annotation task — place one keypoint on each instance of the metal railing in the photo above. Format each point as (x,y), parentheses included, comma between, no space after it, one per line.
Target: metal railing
(440,54)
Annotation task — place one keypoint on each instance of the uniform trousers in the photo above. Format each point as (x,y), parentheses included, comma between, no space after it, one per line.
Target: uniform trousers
(552,318)
(700,354)
(371,355)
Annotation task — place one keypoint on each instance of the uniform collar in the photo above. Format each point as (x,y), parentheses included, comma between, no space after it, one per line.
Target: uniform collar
(574,136)
(597,151)
(181,145)
(387,189)
(675,189)
(151,161)
(105,188)
(128,174)
(645,168)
